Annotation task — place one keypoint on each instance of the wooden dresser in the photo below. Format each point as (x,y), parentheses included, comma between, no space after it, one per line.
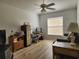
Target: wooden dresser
(16,43)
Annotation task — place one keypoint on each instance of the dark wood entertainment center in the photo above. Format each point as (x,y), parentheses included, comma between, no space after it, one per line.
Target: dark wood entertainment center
(27,34)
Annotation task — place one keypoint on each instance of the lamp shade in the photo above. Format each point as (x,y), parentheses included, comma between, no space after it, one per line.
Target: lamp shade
(73,27)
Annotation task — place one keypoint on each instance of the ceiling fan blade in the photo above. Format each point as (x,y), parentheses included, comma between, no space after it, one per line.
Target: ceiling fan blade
(51,8)
(51,4)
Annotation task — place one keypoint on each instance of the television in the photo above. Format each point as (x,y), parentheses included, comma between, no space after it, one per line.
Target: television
(2,37)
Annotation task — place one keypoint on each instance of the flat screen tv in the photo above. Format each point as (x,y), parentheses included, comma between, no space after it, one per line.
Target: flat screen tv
(2,37)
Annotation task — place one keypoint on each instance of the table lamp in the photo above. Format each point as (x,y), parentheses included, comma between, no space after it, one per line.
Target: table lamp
(73,28)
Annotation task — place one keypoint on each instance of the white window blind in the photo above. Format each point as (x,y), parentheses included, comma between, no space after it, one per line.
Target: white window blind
(55,26)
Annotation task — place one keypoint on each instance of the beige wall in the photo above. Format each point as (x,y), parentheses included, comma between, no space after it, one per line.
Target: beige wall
(68,17)
(78,12)
(11,18)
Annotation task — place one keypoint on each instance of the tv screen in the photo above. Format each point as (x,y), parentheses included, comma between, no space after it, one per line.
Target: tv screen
(2,37)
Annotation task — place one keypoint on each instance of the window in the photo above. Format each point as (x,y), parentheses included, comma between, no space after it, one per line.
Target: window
(55,26)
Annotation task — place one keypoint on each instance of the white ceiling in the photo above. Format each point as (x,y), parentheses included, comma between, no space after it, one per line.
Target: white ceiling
(34,5)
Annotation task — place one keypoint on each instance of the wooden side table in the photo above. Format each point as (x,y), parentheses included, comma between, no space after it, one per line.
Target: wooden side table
(63,50)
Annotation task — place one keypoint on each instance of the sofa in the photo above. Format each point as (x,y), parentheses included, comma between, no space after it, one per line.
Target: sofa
(65,38)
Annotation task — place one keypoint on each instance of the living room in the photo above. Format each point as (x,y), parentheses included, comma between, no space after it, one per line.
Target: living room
(15,13)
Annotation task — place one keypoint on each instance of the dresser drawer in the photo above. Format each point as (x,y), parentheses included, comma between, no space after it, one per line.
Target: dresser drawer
(65,51)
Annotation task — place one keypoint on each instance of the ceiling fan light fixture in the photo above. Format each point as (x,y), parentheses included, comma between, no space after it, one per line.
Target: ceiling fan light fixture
(43,10)
(46,6)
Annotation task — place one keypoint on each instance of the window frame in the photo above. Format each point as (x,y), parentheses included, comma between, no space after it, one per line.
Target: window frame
(56,26)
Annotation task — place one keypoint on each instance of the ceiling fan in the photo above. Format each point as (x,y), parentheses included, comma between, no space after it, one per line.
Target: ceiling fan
(46,6)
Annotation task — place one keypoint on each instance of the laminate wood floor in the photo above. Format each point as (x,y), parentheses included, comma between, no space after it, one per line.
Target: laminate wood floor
(40,50)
